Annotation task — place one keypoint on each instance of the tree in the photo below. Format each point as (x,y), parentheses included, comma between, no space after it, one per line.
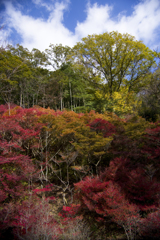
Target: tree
(57,55)
(150,226)
(105,199)
(38,58)
(150,97)
(13,74)
(32,85)
(16,168)
(72,89)
(113,61)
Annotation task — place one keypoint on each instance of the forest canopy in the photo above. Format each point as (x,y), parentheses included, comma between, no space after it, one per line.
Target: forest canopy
(105,72)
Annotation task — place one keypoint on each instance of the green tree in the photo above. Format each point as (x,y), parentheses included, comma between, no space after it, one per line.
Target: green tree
(113,61)
(75,88)
(38,58)
(57,55)
(32,86)
(72,89)
(150,97)
(12,72)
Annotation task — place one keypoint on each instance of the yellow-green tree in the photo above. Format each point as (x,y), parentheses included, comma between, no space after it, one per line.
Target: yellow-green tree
(114,61)
(13,70)
(150,97)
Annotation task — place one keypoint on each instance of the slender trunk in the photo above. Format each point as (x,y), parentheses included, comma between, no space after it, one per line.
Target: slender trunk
(46,155)
(70,90)
(61,98)
(21,99)
(74,103)
(33,100)
(83,102)
(61,103)
(27,100)
(9,108)
(44,98)
(43,102)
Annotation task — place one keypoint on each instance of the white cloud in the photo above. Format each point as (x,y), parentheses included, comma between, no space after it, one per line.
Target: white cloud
(49,7)
(142,24)
(4,35)
(39,33)
(97,17)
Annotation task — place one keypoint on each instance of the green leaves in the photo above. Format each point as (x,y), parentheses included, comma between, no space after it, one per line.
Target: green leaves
(57,55)
(103,72)
(113,61)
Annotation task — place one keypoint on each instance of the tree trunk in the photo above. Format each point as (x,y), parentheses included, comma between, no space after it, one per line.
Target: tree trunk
(70,90)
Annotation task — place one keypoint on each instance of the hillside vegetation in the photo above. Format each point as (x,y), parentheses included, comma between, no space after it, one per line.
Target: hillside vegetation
(80,141)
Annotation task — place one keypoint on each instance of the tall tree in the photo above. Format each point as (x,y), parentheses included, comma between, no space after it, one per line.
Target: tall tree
(150,96)
(69,77)
(113,61)
(31,87)
(12,72)
(57,55)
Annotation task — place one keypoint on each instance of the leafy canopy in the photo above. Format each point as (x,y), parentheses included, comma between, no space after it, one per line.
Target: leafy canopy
(114,60)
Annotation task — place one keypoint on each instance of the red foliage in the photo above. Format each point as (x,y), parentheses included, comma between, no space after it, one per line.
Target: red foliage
(4,108)
(16,168)
(70,221)
(107,200)
(120,192)
(34,220)
(101,197)
(129,184)
(150,226)
(47,188)
(69,212)
(137,186)
(151,148)
(103,126)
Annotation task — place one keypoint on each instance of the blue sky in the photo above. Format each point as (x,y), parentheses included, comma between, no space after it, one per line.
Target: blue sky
(38,23)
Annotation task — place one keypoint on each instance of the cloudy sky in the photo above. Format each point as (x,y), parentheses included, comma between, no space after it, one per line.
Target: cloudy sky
(37,23)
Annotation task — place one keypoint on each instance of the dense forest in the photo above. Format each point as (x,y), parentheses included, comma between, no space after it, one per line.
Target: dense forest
(107,72)
(80,141)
